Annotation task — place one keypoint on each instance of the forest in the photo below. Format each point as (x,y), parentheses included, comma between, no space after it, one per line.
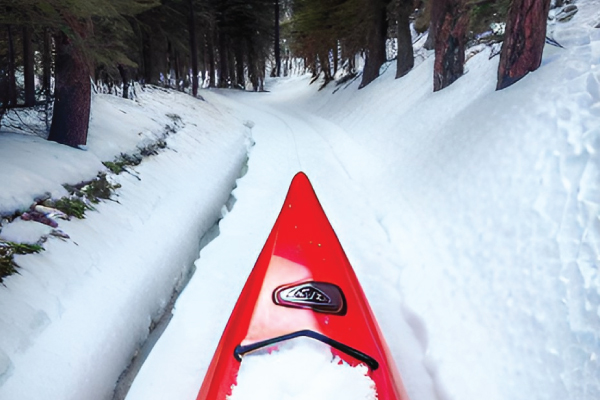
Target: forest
(53,54)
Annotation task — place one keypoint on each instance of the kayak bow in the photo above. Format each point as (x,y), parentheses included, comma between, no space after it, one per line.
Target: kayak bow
(302,285)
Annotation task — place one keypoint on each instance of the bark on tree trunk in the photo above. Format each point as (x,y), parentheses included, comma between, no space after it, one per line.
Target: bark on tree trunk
(375,43)
(193,49)
(47,64)
(178,84)
(277,46)
(47,75)
(210,47)
(125,79)
(170,65)
(450,26)
(223,70)
(405,60)
(72,95)
(147,57)
(28,61)
(524,40)
(239,63)
(12,83)
(231,68)
(252,69)
(335,58)
(325,66)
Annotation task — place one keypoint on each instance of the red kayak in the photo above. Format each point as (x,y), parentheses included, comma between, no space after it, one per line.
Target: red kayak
(302,285)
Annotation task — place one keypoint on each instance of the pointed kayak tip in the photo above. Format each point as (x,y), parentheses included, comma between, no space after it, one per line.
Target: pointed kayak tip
(300,179)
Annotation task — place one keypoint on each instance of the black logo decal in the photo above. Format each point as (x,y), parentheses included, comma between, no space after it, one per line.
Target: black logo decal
(308,294)
(319,296)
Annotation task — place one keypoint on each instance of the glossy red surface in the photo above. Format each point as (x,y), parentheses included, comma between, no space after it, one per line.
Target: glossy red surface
(302,246)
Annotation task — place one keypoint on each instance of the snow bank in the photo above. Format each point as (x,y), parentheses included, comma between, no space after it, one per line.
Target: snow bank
(470,216)
(73,317)
(493,202)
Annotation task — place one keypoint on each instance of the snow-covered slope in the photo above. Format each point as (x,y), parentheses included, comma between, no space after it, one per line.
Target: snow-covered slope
(471,217)
(493,202)
(74,315)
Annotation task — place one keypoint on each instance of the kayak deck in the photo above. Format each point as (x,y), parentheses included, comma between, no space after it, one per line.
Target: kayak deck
(302,285)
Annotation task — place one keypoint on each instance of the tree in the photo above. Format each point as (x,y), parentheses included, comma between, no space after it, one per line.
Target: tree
(193,48)
(11,80)
(450,20)
(77,49)
(319,28)
(277,71)
(72,93)
(28,70)
(405,60)
(524,40)
(376,37)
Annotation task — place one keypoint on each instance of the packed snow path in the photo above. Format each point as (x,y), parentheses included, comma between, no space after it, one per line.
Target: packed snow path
(475,210)
(286,142)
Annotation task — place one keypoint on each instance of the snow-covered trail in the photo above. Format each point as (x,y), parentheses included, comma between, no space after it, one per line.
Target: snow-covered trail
(288,140)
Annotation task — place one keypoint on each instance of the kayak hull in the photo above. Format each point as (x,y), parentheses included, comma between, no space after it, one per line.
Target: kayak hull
(303,284)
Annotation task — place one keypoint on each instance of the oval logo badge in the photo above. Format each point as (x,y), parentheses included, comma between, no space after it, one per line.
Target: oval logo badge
(321,297)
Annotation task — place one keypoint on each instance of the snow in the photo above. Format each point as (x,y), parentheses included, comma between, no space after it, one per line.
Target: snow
(76,313)
(283,374)
(471,217)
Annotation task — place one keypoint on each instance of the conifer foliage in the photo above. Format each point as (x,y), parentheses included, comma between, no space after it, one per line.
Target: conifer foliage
(189,44)
(174,43)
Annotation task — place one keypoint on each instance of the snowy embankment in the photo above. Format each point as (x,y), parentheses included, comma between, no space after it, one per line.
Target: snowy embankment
(472,219)
(74,315)
(493,202)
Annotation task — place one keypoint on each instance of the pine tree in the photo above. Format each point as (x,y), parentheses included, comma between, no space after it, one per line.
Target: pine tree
(450,22)
(28,70)
(376,38)
(524,39)
(405,60)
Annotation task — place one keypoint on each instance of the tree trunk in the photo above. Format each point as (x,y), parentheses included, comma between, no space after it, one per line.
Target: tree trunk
(325,66)
(210,47)
(47,76)
(450,26)
(252,70)
(170,65)
(12,83)
(239,64)
(231,68)
(47,65)
(223,67)
(177,68)
(524,40)
(375,53)
(125,79)
(405,60)
(335,57)
(277,46)
(147,58)
(28,70)
(193,49)
(72,94)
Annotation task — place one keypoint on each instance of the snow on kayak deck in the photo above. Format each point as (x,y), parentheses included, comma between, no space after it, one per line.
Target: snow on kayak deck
(301,369)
